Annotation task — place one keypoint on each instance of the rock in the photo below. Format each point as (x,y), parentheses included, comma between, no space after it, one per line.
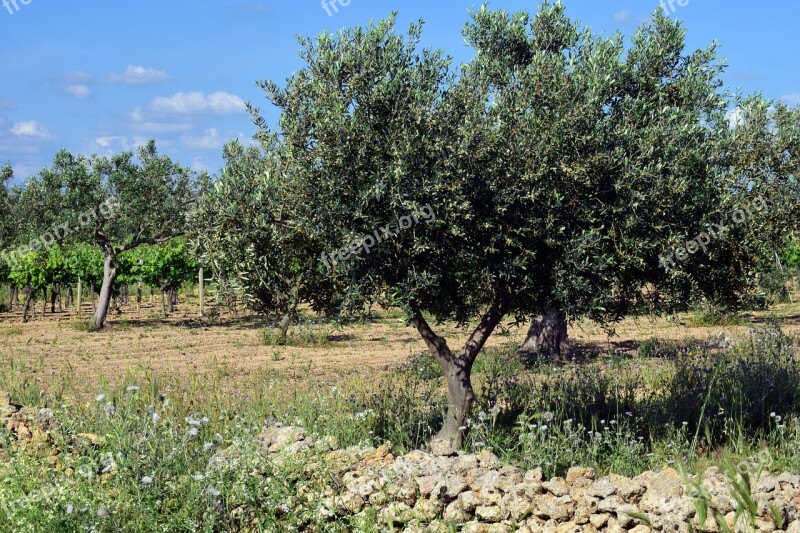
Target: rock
(602,488)
(449,488)
(557,487)
(427,484)
(475,527)
(599,520)
(275,439)
(664,496)
(553,508)
(395,513)
(427,510)
(534,476)
(794,527)
(488,460)
(489,513)
(576,475)
(628,489)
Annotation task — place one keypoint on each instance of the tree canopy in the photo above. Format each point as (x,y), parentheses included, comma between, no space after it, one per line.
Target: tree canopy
(560,168)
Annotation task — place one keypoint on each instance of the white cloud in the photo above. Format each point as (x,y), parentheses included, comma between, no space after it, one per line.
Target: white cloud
(195,103)
(210,141)
(792,99)
(199,166)
(137,75)
(79,91)
(76,77)
(623,16)
(107,142)
(736,118)
(29,128)
(150,126)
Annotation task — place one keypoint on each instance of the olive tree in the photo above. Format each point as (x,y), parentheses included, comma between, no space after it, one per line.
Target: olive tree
(549,175)
(248,228)
(118,203)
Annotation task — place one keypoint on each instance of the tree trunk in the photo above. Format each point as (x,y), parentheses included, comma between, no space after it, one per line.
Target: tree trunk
(55,294)
(201,289)
(68,300)
(548,336)
(28,301)
(80,296)
(44,301)
(12,297)
(457,370)
(110,272)
(461,395)
(91,294)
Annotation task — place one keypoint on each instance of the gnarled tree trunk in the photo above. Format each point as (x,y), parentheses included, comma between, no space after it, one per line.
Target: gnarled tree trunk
(548,336)
(111,269)
(457,368)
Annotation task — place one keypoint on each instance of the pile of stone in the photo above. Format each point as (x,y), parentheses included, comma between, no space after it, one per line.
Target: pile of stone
(421,492)
(29,426)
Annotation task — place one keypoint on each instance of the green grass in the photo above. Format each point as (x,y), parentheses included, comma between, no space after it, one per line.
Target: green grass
(155,437)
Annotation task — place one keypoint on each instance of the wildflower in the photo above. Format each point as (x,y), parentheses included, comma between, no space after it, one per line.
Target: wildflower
(133,388)
(147,480)
(100,397)
(193,432)
(772,415)
(102,512)
(70,509)
(110,410)
(156,418)
(212,491)
(208,446)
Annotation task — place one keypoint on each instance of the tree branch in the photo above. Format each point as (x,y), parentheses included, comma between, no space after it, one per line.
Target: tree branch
(484,330)
(436,344)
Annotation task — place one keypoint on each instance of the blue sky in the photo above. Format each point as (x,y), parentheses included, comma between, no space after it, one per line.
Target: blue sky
(101,77)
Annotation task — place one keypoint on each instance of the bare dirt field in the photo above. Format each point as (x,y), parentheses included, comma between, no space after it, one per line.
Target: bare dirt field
(231,348)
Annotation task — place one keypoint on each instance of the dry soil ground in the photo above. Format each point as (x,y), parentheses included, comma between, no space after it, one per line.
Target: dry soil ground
(230,348)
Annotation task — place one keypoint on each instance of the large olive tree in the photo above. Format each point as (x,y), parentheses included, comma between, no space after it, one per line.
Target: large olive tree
(548,175)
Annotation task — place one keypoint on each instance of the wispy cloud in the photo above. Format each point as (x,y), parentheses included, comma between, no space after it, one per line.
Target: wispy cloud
(210,141)
(30,128)
(79,90)
(623,17)
(791,99)
(7,105)
(199,103)
(138,75)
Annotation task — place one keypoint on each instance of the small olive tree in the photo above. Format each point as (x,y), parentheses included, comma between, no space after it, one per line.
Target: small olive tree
(117,203)
(248,228)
